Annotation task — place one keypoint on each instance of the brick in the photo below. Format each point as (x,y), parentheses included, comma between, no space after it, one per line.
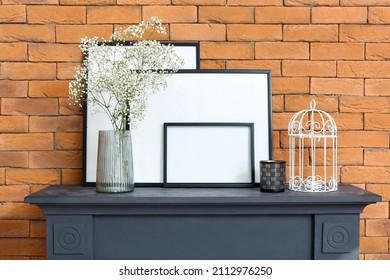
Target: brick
(31,2)
(350,156)
(366,104)
(377,256)
(226,15)
(32,176)
(13,124)
(377,122)
(364,33)
(14,13)
(254,32)
(55,14)
(148,2)
(70,124)
(378,227)
(345,156)
(377,51)
(14,228)
(276,139)
(281,50)
(20,211)
(66,71)
(348,121)
(55,159)
(273,65)
(13,159)
(13,193)
(55,53)
(377,157)
(13,88)
(69,109)
(74,33)
(33,106)
(251,2)
(364,69)
(295,103)
(283,154)
(310,33)
(363,174)
(377,87)
(311,2)
(28,70)
(300,68)
(379,15)
(23,246)
(277,103)
(337,86)
(339,15)
(53,124)
(285,85)
(171,14)
(71,177)
(212,64)
(38,229)
(362,227)
(48,88)
(29,142)
(226,50)
(13,51)
(88,2)
(381,189)
(68,141)
(113,14)
(337,51)
(43,124)
(282,15)
(363,139)
(191,32)
(280,120)
(26,32)
(2,176)
(373,245)
(379,210)
(364,2)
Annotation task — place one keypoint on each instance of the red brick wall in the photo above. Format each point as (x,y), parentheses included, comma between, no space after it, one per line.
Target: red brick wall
(334,50)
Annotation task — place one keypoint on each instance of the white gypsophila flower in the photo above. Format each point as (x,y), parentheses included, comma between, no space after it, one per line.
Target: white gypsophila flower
(118,78)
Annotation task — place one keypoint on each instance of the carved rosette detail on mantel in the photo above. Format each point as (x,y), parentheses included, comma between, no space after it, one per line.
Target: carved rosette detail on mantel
(337,238)
(69,239)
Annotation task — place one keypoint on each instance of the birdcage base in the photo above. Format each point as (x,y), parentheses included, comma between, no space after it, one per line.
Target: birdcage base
(310,185)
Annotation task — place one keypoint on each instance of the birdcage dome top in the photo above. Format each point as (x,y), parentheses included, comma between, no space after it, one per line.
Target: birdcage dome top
(312,123)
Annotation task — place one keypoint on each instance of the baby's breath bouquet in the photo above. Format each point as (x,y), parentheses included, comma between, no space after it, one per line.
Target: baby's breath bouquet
(118,76)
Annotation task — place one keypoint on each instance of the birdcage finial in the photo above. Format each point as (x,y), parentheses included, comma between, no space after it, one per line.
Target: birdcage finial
(313,104)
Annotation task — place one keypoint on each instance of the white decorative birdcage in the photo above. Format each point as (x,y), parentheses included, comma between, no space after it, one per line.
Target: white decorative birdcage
(313,151)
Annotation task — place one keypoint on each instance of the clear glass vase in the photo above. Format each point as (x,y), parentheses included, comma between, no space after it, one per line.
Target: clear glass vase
(115,162)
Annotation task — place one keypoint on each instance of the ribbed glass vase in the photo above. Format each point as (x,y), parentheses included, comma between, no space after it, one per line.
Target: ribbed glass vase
(115,162)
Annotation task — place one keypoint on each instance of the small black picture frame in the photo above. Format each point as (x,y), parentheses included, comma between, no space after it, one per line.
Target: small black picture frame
(235,151)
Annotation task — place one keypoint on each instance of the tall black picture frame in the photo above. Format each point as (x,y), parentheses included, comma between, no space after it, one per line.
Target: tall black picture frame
(219,96)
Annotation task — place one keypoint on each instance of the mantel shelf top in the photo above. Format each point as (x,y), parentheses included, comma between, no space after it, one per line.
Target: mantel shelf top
(79,195)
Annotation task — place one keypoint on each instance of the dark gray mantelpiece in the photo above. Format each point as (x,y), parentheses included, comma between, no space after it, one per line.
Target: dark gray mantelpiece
(219,223)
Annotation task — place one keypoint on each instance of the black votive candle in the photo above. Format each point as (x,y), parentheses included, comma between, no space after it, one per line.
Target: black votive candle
(272,175)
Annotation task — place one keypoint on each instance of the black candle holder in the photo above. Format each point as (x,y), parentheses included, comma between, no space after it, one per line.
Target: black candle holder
(272,175)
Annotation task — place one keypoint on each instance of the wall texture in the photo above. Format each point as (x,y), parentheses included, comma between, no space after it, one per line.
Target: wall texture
(337,51)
